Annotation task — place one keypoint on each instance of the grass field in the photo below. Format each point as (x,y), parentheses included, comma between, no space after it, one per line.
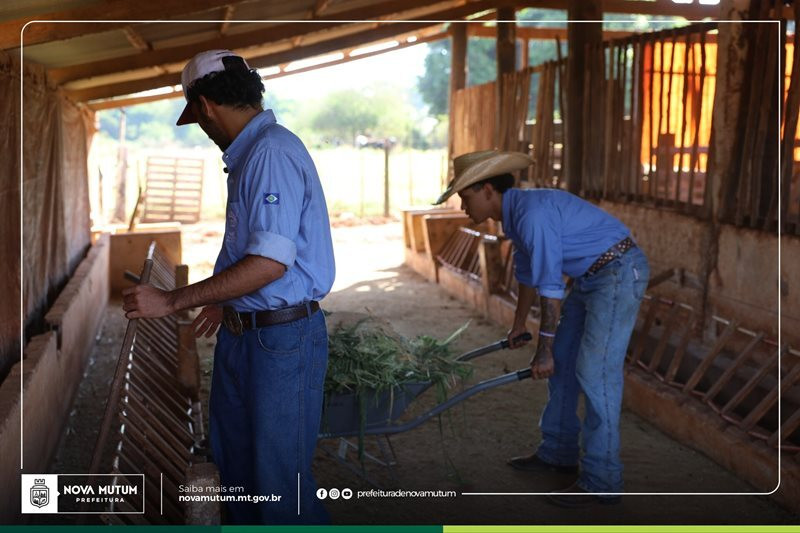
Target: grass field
(353,179)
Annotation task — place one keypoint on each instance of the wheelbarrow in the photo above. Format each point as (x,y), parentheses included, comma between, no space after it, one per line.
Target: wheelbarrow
(342,413)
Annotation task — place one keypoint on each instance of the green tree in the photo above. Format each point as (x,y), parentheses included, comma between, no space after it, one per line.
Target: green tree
(344,114)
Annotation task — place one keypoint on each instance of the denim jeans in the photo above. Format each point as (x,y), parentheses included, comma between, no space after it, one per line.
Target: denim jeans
(597,319)
(265,408)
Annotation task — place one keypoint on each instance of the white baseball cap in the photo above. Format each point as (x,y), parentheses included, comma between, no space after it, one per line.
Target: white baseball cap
(201,65)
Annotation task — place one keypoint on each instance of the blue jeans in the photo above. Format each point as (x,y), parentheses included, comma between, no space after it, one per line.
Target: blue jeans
(597,319)
(265,408)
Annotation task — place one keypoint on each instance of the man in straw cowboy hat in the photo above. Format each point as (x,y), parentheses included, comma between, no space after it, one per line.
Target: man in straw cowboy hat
(583,339)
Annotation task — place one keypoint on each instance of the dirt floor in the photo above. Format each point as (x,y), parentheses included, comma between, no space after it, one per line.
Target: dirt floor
(466,452)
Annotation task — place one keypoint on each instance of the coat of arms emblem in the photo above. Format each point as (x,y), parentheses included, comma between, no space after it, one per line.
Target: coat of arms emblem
(40,493)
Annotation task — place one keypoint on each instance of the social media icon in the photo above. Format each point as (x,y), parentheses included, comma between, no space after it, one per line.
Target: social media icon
(347,494)
(322,494)
(334,494)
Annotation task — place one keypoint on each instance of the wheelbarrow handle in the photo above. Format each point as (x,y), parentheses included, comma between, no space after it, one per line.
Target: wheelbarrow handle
(522,337)
(499,345)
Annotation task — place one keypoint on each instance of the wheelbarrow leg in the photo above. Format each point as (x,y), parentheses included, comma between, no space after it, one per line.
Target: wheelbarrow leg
(341,457)
(389,457)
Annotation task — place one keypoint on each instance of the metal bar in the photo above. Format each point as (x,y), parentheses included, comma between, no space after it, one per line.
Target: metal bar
(458,398)
(705,364)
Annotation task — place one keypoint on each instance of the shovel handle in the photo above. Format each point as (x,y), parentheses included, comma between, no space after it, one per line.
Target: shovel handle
(523,337)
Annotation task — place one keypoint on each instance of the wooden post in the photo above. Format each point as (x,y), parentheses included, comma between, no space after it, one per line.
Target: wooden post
(386,148)
(506,41)
(122,169)
(733,44)
(579,35)
(458,80)
(506,50)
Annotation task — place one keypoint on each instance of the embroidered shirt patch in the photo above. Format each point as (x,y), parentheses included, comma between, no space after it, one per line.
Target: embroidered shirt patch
(272,198)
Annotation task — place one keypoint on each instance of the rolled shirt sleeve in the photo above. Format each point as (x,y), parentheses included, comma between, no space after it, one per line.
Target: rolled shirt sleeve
(273,204)
(541,246)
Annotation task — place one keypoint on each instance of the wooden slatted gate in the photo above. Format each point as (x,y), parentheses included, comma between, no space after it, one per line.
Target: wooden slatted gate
(153,423)
(174,189)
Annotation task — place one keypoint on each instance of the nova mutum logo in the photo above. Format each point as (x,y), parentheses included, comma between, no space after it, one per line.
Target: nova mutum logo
(40,493)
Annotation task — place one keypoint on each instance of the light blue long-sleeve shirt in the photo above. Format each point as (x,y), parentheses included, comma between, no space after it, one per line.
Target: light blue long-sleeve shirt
(556,233)
(276,209)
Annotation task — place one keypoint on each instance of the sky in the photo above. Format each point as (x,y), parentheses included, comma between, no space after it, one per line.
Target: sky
(401,67)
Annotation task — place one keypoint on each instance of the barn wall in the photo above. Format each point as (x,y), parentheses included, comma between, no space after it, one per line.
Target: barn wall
(745,284)
(55,226)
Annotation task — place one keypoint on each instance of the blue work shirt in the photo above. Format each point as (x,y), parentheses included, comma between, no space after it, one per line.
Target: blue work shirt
(556,233)
(276,209)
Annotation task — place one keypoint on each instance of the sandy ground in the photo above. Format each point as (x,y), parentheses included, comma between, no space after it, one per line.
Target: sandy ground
(466,451)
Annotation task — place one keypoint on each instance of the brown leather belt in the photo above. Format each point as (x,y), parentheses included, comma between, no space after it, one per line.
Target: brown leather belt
(237,323)
(609,255)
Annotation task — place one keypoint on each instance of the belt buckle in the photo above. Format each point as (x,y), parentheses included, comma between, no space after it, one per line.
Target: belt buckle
(232,320)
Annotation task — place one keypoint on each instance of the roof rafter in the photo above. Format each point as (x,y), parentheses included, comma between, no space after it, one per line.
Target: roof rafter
(242,40)
(348,57)
(121,10)
(136,40)
(227,15)
(362,38)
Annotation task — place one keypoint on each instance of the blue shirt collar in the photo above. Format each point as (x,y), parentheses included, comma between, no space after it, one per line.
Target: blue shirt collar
(241,144)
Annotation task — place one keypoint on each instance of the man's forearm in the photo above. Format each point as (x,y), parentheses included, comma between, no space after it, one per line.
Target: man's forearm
(548,320)
(525,298)
(243,277)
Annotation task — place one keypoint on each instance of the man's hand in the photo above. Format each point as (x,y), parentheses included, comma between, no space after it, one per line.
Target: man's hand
(542,364)
(515,332)
(207,321)
(146,301)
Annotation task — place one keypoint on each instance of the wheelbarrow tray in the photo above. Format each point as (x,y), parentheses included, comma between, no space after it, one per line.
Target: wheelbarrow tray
(341,416)
(341,413)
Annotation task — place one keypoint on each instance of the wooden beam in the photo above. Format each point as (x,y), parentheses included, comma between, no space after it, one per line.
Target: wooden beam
(227,15)
(321,6)
(125,102)
(665,8)
(136,40)
(458,57)
(264,36)
(123,11)
(269,60)
(537,34)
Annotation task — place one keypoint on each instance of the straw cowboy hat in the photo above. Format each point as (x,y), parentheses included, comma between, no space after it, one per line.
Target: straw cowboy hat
(473,167)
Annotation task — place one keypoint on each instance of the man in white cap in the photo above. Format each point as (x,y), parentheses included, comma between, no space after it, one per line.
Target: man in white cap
(582,343)
(276,263)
